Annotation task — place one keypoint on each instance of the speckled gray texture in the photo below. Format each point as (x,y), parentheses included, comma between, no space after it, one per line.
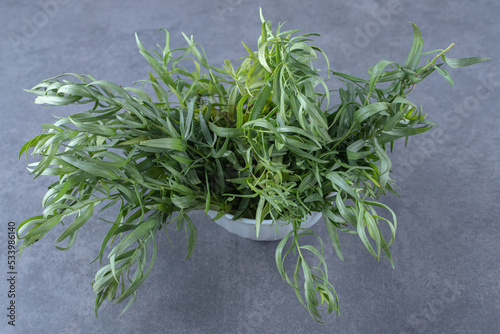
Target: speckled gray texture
(447,253)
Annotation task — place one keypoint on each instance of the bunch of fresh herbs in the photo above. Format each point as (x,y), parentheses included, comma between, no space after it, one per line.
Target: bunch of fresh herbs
(265,139)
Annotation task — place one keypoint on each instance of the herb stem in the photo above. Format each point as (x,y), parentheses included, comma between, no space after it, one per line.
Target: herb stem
(435,58)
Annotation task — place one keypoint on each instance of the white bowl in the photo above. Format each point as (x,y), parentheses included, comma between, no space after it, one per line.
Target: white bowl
(245,227)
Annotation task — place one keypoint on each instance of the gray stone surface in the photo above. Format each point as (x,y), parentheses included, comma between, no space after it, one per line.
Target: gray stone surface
(447,275)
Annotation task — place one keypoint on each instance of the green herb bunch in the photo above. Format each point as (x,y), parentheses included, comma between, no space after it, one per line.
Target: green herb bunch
(266,139)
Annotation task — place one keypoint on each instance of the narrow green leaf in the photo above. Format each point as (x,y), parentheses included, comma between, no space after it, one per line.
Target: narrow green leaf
(260,102)
(416,49)
(90,167)
(56,100)
(226,132)
(340,182)
(313,110)
(192,236)
(142,278)
(363,113)
(239,110)
(463,62)
(250,52)
(350,77)
(360,228)
(175,144)
(375,74)
(385,162)
(334,237)
(444,73)
(77,223)
(259,216)
(140,231)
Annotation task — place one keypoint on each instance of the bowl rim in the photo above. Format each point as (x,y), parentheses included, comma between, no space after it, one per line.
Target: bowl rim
(249,221)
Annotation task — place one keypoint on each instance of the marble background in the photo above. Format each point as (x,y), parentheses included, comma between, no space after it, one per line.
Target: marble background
(447,252)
